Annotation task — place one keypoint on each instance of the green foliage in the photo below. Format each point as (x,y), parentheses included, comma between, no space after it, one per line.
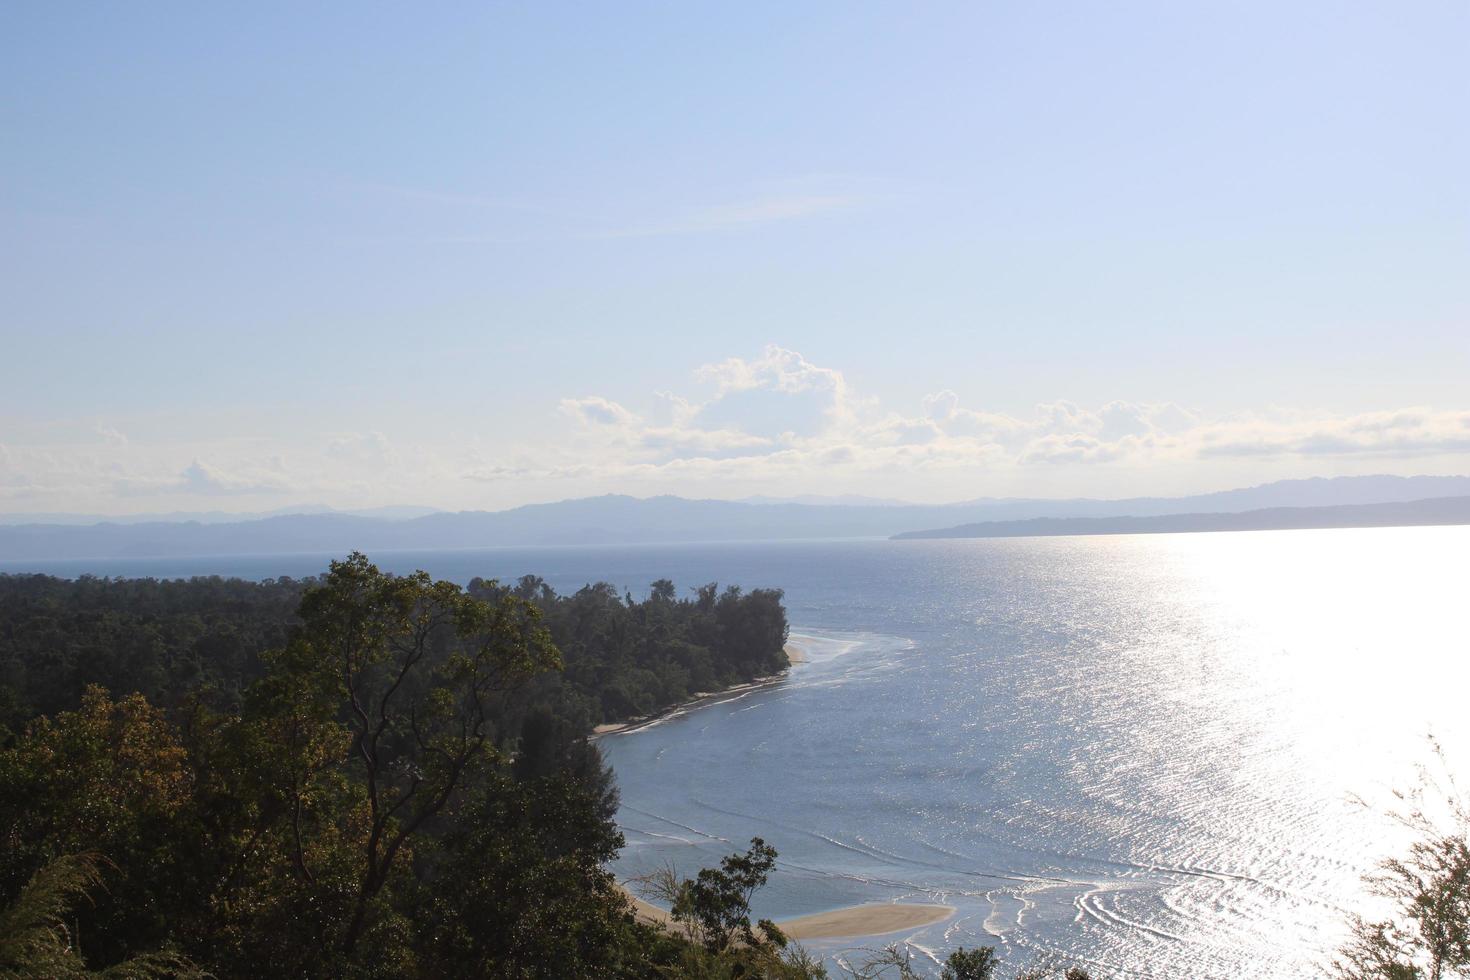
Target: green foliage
(715,904)
(896,962)
(361,775)
(1427,933)
(970,964)
(203,641)
(712,910)
(170,641)
(625,659)
(36,942)
(110,777)
(517,888)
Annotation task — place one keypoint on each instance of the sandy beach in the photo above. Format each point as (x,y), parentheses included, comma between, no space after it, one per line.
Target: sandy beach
(872,919)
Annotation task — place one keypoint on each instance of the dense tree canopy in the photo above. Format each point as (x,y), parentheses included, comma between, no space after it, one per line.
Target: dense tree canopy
(357,775)
(204,640)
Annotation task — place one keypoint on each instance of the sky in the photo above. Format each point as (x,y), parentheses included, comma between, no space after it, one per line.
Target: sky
(477,255)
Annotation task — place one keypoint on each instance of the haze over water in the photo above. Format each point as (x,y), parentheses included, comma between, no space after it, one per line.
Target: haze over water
(1134,752)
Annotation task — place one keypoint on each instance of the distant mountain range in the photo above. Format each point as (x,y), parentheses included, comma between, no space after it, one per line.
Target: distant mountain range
(391,513)
(840,500)
(630,520)
(1417,513)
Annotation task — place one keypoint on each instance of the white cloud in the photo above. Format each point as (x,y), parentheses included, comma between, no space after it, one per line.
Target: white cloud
(1401,432)
(363,450)
(203,480)
(778,414)
(777,368)
(595,410)
(773,422)
(941,406)
(110,435)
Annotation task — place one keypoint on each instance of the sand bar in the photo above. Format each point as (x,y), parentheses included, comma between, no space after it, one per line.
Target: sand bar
(872,919)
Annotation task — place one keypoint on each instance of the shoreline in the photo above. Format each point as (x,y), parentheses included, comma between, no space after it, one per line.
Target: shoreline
(795,653)
(849,922)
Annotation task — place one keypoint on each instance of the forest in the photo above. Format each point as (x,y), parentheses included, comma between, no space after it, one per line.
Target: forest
(359,774)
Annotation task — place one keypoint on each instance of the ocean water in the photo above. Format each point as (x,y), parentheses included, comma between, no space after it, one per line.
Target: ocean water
(1140,753)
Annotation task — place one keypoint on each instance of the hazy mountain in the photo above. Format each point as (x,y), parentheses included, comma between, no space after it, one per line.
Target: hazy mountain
(1436,511)
(628,520)
(391,513)
(1311,492)
(840,500)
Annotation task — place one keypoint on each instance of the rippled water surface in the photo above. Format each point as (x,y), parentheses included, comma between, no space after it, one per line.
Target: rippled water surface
(1134,752)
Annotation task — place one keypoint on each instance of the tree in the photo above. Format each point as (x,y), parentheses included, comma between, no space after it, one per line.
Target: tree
(414,665)
(389,781)
(970,964)
(716,903)
(1427,936)
(519,889)
(109,777)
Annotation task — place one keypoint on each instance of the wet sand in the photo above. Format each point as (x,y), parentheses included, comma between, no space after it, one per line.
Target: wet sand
(872,919)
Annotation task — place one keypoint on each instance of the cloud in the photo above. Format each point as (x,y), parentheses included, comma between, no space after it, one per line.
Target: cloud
(778,395)
(681,441)
(1417,431)
(364,447)
(110,435)
(767,417)
(597,411)
(941,406)
(201,479)
(772,420)
(1072,448)
(777,368)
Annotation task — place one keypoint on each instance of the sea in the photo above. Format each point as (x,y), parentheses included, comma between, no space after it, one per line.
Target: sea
(1151,755)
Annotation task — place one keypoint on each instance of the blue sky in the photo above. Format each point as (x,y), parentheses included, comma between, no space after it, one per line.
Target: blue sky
(478,255)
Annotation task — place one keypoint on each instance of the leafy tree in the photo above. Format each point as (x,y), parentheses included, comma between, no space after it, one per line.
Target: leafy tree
(360,775)
(519,888)
(416,663)
(716,903)
(970,964)
(108,777)
(1427,935)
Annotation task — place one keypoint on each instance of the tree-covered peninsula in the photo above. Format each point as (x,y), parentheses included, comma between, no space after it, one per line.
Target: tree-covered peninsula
(357,775)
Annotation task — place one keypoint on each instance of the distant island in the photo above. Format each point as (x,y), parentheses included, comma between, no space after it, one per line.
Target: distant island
(1437,511)
(620,520)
